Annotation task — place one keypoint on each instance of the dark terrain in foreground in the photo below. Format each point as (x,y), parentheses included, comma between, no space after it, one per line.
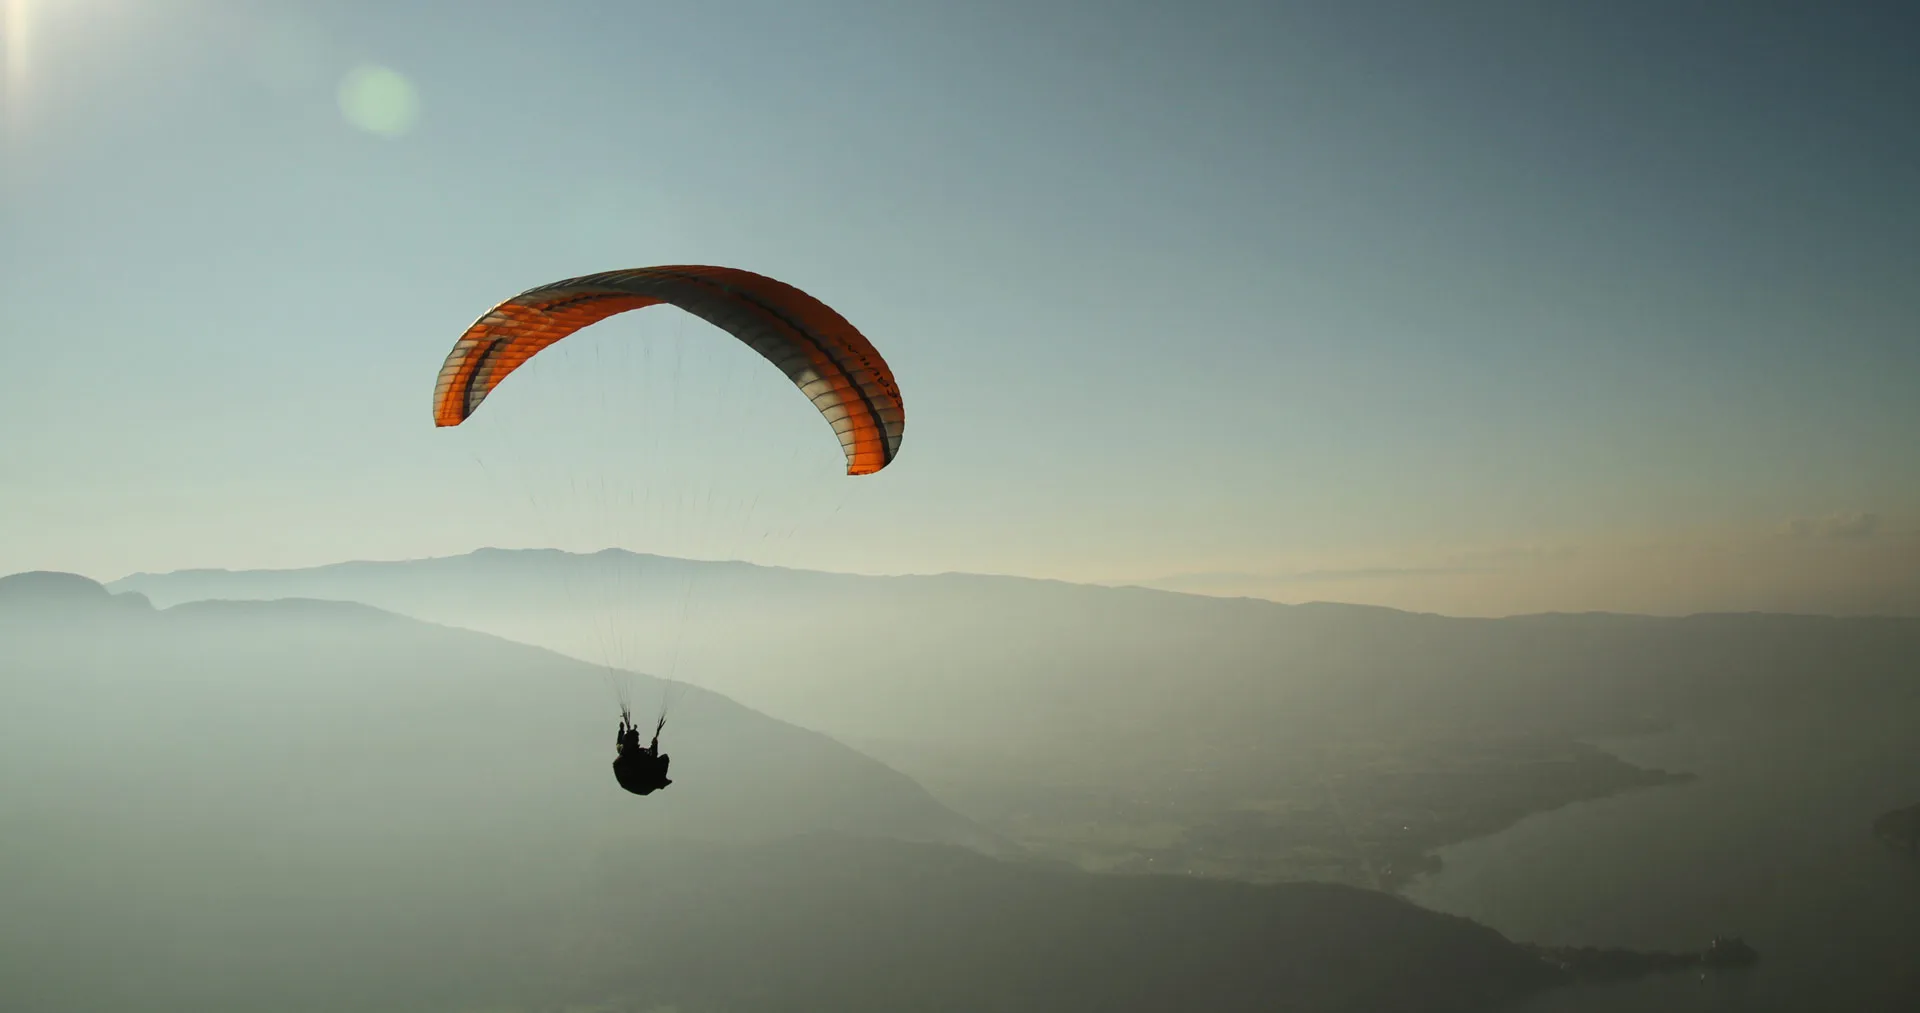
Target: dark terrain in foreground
(833,924)
(1597,964)
(1900,830)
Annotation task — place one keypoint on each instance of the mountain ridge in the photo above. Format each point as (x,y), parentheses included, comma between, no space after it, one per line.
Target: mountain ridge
(326,650)
(133,579)
(1146,728)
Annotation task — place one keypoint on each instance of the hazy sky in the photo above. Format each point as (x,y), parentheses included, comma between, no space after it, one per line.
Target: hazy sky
(1473,307)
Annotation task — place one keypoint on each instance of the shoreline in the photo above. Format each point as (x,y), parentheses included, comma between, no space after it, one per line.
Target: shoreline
(1595,965)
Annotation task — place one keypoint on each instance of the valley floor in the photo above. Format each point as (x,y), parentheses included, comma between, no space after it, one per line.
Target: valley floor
(1368,814)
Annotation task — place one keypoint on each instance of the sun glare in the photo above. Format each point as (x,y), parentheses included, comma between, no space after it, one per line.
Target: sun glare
(16,24)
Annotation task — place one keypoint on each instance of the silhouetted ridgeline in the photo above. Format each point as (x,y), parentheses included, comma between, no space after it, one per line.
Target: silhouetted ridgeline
(51,594)
(1148,730)
(1018,663)
(276,711)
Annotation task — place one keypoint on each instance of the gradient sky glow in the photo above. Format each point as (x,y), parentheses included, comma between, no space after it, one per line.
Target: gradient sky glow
(1479,307)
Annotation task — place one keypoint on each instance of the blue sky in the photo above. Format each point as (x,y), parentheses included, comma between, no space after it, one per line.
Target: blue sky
(1612,302)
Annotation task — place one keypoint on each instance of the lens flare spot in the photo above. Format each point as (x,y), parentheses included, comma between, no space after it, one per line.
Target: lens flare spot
(379,100)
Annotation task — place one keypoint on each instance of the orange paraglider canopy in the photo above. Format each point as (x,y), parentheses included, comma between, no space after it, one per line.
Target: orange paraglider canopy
(831,362)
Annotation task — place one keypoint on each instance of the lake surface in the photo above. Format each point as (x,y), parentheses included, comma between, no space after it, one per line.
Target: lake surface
(1771,842)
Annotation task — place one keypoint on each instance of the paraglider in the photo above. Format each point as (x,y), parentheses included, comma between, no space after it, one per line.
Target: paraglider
(827,358)
(831,362)
(640,769)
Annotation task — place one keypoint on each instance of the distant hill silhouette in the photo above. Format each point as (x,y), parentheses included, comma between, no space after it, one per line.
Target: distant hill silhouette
(989,661)
(1146,730)
(301,712)
(48,593)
